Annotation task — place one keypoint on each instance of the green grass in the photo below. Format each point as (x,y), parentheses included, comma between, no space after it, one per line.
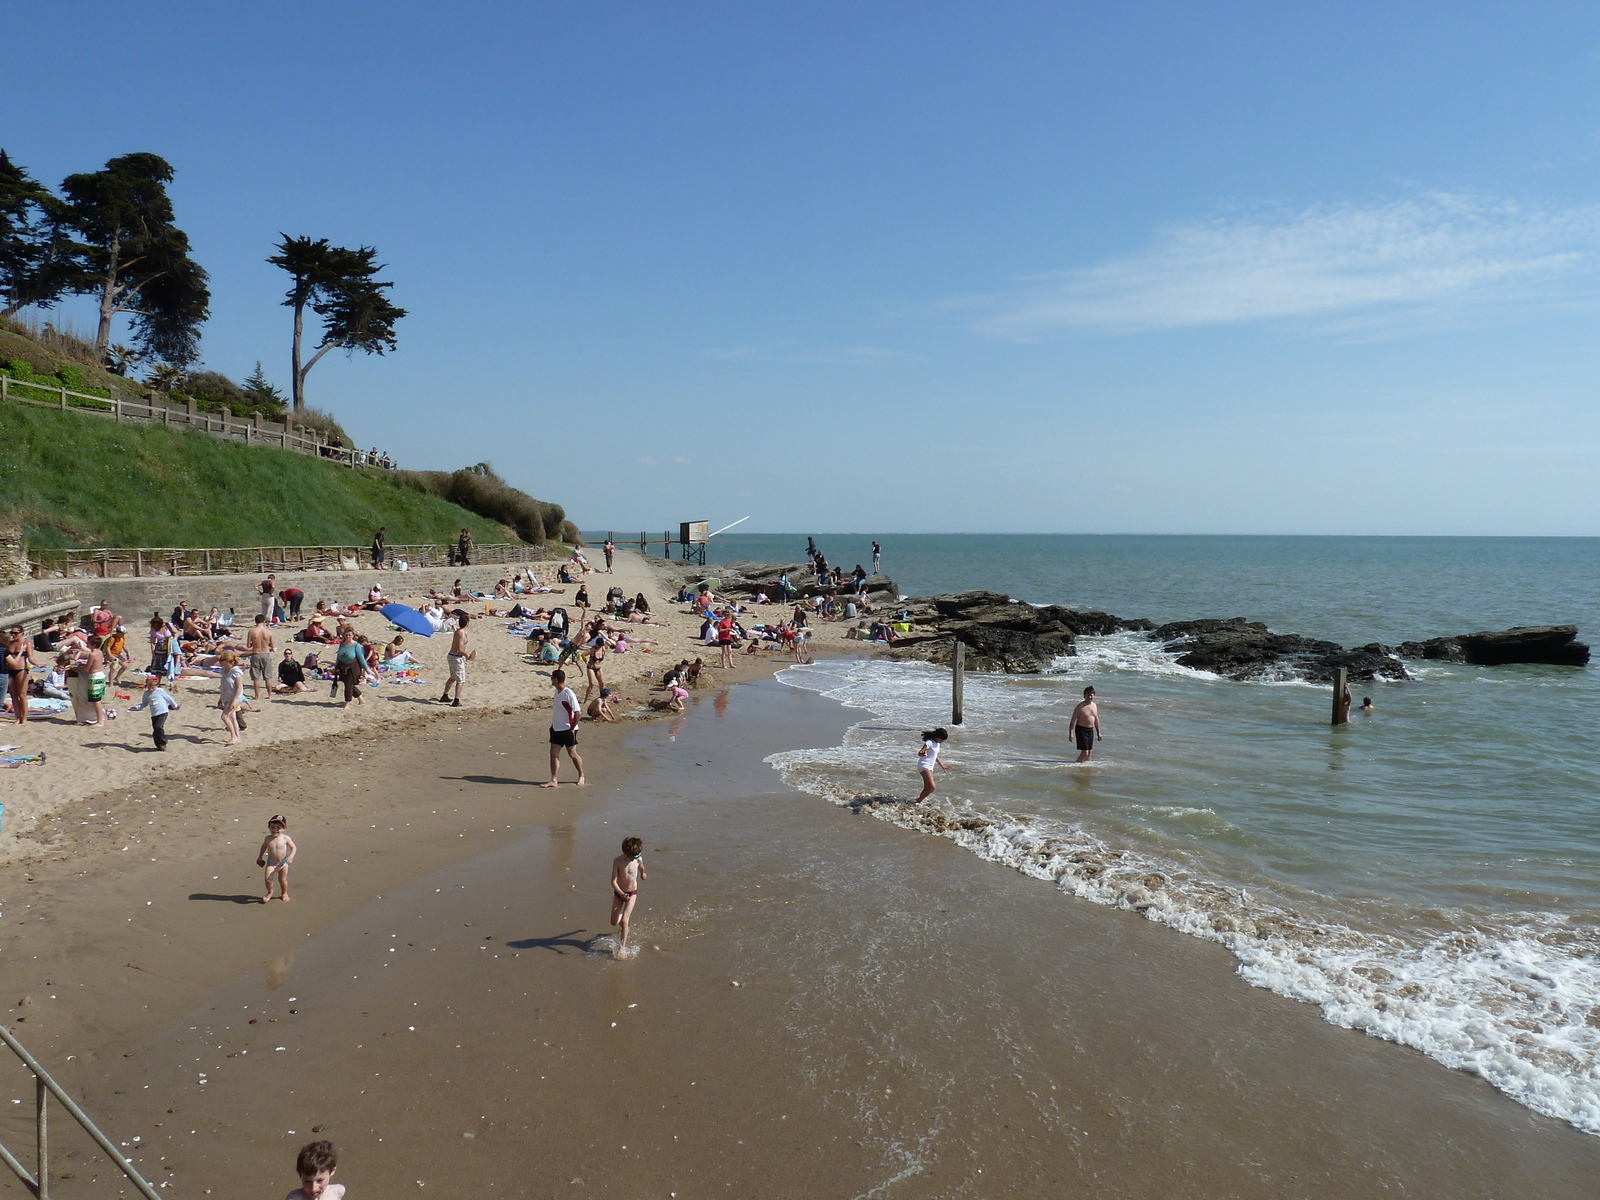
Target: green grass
(85,481)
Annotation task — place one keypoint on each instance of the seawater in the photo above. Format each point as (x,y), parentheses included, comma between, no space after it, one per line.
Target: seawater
(1428,874)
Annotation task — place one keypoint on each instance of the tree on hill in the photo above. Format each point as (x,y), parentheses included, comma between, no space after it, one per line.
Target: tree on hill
(31,267)
(136,258)
(259,391)
(341,287)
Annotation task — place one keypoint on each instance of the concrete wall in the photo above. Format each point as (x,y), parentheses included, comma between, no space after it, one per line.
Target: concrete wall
(136,599)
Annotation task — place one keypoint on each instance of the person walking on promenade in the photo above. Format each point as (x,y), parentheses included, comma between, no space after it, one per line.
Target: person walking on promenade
(1085,725)
(464,549)
(377,548)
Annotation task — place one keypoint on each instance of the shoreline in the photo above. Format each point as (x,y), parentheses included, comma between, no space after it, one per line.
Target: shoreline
(909,1021)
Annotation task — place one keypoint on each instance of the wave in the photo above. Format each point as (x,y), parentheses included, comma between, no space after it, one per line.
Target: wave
(1512,997)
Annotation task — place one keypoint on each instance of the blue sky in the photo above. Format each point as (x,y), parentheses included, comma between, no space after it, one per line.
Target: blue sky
(911,267)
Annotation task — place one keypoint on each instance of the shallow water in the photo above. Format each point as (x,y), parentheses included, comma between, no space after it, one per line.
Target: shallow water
(1429,874)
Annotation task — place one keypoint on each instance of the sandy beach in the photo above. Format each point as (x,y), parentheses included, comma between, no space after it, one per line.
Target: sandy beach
(47,806)
(824,1004)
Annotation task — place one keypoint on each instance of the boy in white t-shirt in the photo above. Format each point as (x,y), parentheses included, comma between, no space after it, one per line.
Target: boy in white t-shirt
(564,718)
(315,1166)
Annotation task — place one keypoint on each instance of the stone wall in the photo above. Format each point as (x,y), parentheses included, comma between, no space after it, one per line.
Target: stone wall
(14,566)
(136,599)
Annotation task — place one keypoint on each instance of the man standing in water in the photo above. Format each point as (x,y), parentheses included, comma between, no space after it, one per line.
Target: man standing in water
(1085,725)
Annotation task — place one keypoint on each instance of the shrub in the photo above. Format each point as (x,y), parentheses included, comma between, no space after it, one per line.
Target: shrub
(71,376)
(478,489)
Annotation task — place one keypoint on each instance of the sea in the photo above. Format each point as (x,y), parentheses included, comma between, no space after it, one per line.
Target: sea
(1428,874)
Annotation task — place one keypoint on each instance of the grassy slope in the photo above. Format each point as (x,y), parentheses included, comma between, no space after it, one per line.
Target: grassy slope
(80,481)
(14,345)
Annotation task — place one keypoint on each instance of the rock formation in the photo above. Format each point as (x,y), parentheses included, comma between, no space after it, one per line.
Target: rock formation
(1554,644)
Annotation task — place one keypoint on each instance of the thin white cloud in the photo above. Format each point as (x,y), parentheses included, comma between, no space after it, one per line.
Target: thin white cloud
(1344,264)
(839,355)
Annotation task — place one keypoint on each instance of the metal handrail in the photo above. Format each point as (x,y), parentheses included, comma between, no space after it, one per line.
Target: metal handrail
(44,1087)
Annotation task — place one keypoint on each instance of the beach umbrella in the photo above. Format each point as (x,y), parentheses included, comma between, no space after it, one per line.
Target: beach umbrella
(408,619)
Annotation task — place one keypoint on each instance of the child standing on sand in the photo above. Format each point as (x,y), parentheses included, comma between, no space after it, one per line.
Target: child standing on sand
(315,1166)
(277,852)
(627,871)
(933,741)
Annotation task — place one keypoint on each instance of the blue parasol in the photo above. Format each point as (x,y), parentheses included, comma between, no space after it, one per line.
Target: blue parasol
(408,619)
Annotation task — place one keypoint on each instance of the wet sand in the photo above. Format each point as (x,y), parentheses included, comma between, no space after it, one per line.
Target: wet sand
(909,1020)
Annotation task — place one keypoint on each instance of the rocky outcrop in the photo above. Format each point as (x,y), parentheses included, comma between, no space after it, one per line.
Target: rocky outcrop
(1241,649)
(1001,634)
(1553,644)
(745,579)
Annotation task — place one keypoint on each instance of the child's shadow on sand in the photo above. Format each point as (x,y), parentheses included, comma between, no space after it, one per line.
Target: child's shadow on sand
(560,943)
(225,899)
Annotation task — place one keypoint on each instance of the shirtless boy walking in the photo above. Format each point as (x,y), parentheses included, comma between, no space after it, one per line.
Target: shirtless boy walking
(456,661)
(277,852)
(261,645)
(627,871)
(1085,725)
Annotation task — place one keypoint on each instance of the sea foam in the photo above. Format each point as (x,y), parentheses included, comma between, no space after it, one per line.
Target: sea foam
(1513,997)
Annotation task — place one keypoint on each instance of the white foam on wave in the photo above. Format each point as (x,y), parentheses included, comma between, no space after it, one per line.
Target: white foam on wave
(1514,998)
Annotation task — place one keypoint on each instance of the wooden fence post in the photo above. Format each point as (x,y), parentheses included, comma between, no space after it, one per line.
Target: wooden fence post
(957,679)
(1341,696)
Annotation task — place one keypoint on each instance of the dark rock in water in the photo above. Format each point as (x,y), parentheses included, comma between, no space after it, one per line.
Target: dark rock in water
(1001,634)
(745,579)
(1083,621)
(1373,661)
(1553,644)
(1210,625)
(1244,650)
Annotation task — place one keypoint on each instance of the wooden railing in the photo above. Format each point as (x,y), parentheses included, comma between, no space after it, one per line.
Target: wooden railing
(253,430)
(144,561)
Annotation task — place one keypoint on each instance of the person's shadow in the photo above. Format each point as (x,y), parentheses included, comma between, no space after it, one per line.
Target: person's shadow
(560,943)
(491,779)
(225,899)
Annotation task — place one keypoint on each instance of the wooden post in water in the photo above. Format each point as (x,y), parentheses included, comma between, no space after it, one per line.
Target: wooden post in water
(958,671)
(1341,698)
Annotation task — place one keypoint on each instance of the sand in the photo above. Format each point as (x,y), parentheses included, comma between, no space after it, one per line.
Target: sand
(824,1004)
(44,802)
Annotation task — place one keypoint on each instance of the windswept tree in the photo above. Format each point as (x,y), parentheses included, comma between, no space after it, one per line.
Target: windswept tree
(32,266)
(136,259)
(342,288)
